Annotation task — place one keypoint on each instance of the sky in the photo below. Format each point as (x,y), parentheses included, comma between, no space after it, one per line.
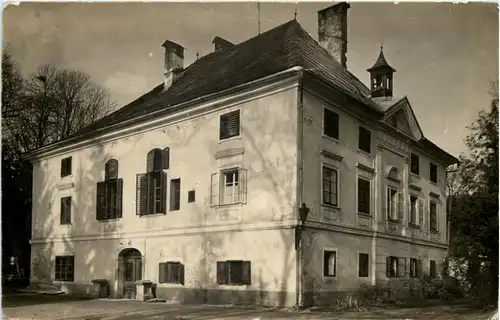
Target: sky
(445,54)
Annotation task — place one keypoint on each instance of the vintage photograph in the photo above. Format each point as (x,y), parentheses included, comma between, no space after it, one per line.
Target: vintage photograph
(250,160)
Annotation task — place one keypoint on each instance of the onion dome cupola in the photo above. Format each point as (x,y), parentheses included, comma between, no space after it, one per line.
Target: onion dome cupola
(381,77)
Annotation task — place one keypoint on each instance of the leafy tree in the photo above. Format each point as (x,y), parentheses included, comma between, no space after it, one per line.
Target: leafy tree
(43,108)
(474,196)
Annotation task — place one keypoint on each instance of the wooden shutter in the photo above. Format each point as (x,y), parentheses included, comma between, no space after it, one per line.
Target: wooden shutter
(242,185)
(388,267)
(401,267)
(101,200)
(181,273)
(142,194)
(419,268)
(163,200)
(400,207)
(385,203)
(150,194)
(162,275)
(119,198)
(150,161)
(214,190)
(166,158)
(247,272)
(221,272)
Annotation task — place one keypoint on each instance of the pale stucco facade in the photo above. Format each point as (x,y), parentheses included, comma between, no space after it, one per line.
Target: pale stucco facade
(283,156)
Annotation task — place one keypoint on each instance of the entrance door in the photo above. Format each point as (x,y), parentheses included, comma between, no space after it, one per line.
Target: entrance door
(132,273)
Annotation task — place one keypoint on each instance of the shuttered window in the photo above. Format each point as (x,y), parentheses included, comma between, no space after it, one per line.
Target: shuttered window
(415,268)
(110,193)
(66,166)
(364,140)
(66,210)
(234,272)
(64,270)
(229,125)
(151,193)
(392,267)
(364,195)
(330,124)
(171,272)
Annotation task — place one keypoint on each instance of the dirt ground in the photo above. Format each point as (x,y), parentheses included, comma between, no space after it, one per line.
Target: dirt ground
(29,306)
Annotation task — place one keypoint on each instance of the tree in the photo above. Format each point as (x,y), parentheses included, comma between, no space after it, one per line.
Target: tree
(473,190)
(46,107)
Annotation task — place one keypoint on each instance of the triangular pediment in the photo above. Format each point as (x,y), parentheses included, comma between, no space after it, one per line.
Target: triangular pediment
(401,116)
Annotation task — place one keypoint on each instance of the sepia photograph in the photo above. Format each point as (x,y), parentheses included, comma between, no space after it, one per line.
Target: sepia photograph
(250,160)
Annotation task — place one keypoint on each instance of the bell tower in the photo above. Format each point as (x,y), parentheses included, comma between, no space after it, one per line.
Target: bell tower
(381,77)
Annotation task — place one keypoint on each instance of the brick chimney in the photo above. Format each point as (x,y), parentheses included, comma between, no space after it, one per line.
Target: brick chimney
(332,31)
(221,44)
(174,62)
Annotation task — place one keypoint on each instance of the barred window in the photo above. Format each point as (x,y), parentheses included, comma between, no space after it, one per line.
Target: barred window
(171,272)
(234,272)
(64,268)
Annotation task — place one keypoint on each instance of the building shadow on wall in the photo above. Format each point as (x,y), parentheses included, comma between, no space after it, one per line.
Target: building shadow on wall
(79,238)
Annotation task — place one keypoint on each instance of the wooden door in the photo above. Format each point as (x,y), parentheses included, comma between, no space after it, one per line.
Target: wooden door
(133,273)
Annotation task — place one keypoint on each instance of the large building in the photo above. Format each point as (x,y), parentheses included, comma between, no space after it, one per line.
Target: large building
(197,184)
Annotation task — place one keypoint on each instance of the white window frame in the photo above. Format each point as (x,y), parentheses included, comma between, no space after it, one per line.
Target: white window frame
(337,185)
(225,186)
(335,265)
(415,208)
(392,209)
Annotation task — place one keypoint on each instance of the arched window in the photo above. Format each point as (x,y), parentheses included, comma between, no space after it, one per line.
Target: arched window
(109,193)
(158,159)
(111,169)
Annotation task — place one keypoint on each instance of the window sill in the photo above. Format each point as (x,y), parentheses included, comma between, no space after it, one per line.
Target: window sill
(232,285)
(391,220)
(330,207)
(171,284)
(152,215)
(413,225)
(332,139)
(434,231)
(65,225)
(237,137)
(108,220)
(368,154)
(433,183)
(414,175)
(63,281)
(329,277)
(364,214)
(229,205)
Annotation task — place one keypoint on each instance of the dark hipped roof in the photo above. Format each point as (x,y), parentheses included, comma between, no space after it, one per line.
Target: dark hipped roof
(278,49)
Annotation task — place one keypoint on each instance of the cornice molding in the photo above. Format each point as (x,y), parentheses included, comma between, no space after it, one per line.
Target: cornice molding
(330,155)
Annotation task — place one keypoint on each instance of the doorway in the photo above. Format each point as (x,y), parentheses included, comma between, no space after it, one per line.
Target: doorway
(131,262)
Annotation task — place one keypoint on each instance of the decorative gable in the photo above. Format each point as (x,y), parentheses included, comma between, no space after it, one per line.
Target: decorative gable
(401,116)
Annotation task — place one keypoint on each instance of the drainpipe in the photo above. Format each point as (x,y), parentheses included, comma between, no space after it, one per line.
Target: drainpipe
(300,192)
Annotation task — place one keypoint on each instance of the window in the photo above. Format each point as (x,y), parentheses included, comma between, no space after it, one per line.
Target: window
(151,190)
(329,263)
(433,173)
(363,265)
(414,210)
(331,124)
(432,269)
(109,193)
(191,196)
(65,268)
(234,272)
(364,142)
(175,194)
(363,196)
(228,187)
(392,204)
(330,186)
(415,268)
(392,265)
(66,167)
(414,164)
(433,216)
(171,272)
(66,210)
(229,125)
